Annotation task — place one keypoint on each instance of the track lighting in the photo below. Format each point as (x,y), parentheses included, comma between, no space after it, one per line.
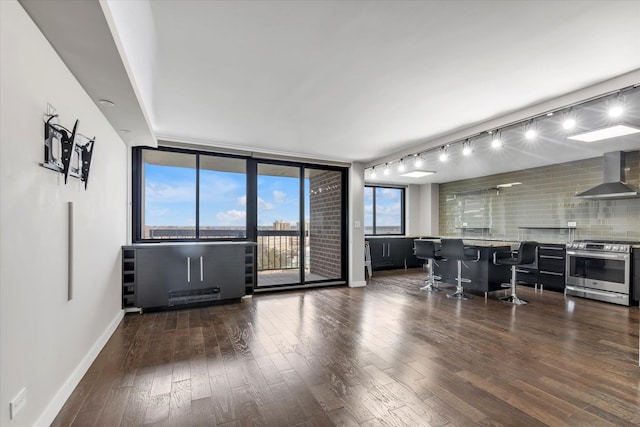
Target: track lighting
(615,107)
(444,156)
(612,104)
(466,148)
(569,121)
(531,131)
(496,142)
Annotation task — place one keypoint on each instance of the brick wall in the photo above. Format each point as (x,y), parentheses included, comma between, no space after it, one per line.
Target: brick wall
(325,229)
(544,199)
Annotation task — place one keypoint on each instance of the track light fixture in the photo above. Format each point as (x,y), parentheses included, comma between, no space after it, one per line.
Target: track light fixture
(418,160)
(444,156)
(531,131)
(569,121)
(615,106)
(466,148)
(374,175)
(496,142)
(386,169)
(401,167)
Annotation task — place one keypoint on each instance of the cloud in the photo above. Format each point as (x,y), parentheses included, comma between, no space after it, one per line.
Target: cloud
(264,205)
(161,192)
(388,193)
(242,200)
(231,217)
(279,196)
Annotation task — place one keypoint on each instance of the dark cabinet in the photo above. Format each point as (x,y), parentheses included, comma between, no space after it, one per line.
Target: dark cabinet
(551,266)
(392,252)
(169,275)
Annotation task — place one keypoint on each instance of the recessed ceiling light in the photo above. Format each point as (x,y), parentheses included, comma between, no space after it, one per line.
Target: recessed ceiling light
(106,103)
(417,174)
(605,133)
(124,131)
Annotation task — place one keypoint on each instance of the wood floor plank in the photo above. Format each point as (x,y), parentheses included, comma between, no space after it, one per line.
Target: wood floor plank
(384,355)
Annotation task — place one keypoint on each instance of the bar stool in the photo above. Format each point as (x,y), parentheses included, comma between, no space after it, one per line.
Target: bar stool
(527,254)
(454,250)
(426,249)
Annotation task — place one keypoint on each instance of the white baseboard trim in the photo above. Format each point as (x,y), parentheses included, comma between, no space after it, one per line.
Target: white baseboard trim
(70,384)
(358,284)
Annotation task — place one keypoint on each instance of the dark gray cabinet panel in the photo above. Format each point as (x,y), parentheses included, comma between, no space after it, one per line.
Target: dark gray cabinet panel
(170,275)
(392,252)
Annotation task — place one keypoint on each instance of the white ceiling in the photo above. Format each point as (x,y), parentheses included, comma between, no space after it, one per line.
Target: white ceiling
(363,80)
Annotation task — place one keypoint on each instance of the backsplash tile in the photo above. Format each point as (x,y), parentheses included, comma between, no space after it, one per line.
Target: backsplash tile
(546,198)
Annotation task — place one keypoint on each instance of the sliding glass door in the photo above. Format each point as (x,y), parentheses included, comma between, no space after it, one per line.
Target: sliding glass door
(279,226)
(300,225)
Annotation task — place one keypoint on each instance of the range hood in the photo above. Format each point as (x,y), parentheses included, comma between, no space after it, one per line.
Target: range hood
(613,187)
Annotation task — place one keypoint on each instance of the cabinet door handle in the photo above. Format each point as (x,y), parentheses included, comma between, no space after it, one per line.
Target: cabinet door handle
(551,272)
(551,257)
(383,246)
(201,271)
(552,248)
(188,269)
(388,249)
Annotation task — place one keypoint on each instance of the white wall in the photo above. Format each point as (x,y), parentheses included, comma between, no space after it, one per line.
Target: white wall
(429,211)
(356,225)
(422,210)
(46,342)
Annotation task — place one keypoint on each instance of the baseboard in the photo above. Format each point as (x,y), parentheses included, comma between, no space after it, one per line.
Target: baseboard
(358,284)
(70,384)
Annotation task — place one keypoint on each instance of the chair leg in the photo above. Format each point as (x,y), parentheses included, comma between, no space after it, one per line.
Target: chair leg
(459,293)
(431,285)
(513,299)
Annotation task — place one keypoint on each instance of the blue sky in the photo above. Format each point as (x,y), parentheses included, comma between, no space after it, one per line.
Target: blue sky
(170,197)
(388,206)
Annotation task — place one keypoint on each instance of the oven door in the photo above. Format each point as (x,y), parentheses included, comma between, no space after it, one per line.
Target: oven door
(599,270)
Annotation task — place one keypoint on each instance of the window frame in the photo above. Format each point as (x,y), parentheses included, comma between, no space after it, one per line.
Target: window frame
(137,202)
(403,191)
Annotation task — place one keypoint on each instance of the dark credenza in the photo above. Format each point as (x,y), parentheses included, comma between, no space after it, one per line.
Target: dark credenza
(166,275)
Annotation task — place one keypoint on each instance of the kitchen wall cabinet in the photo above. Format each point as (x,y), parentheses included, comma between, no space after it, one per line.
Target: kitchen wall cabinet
(172,275)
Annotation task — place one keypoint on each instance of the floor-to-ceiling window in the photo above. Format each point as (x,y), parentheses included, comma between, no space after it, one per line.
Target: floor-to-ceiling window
(295,212)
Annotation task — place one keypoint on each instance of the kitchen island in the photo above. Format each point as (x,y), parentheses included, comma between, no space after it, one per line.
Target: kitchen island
(485,276)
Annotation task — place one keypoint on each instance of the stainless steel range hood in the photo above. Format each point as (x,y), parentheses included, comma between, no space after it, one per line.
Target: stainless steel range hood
(613,187)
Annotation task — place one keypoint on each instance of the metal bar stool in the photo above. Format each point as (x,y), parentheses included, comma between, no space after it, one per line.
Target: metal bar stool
(426,250)
(454,250)
(527,254)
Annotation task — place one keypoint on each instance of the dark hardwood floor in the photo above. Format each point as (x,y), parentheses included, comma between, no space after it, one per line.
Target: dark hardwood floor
(386,355)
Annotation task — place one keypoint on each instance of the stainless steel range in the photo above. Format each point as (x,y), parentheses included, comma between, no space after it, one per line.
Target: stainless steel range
(600,270)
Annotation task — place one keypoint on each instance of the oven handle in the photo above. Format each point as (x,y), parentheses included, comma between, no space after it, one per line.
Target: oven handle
(589,291)
(598,255)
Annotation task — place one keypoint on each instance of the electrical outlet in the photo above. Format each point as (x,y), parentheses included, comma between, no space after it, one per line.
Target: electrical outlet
(17,403)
